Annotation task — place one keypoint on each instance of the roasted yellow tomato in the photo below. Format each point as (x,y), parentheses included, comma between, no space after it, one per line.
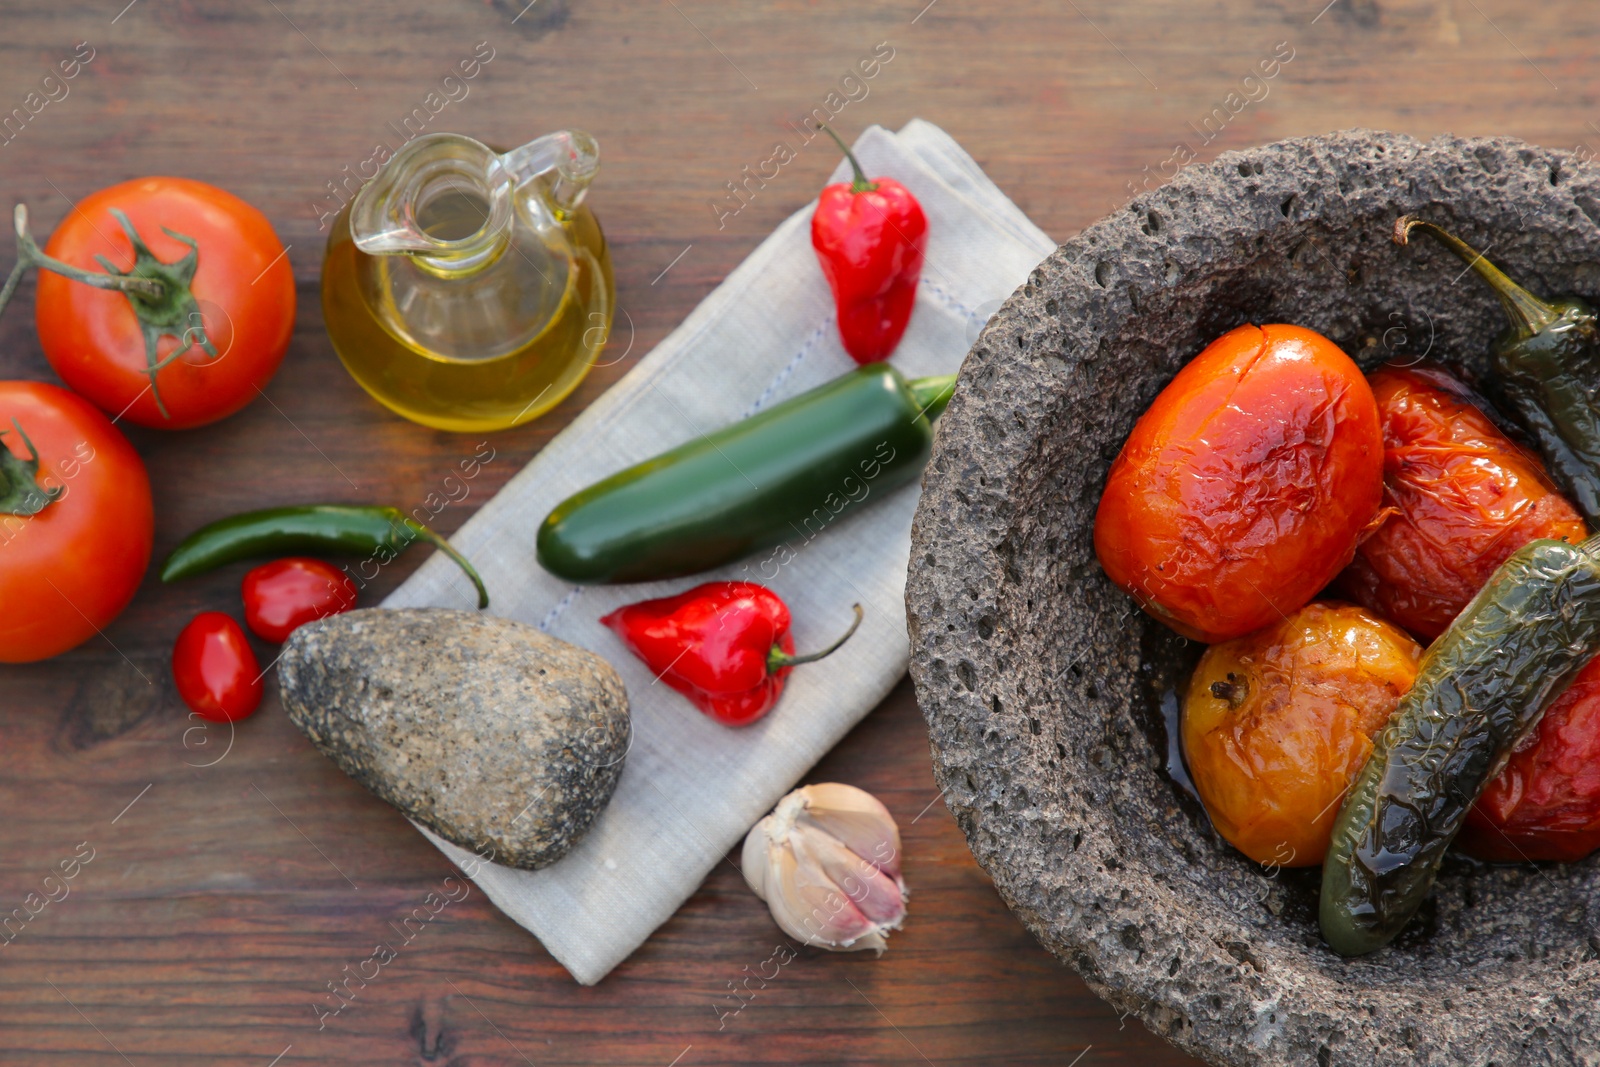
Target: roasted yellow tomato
(1277,723)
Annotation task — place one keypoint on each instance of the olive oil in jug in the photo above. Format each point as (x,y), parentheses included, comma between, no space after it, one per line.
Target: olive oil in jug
(468,290)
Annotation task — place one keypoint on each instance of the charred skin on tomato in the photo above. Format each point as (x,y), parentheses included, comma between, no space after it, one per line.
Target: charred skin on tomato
(1545,804)
(1277,723)
(1245,487)
(1459,497)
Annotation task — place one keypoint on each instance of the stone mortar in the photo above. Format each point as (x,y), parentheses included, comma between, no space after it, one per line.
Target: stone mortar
(1045,693)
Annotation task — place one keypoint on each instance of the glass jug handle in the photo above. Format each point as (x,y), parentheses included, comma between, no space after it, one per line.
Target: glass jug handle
(558,166)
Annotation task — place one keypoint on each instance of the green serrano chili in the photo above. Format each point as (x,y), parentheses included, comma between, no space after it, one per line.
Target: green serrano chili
(781,475)
(1546,365)
(318,528)
(1482,686)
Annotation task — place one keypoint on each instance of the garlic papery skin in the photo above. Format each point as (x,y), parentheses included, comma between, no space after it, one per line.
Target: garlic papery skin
(827,862)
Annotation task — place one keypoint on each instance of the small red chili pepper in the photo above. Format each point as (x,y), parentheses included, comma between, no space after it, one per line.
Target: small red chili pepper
(870,237)
(724,645)
(215,668)
(284,595)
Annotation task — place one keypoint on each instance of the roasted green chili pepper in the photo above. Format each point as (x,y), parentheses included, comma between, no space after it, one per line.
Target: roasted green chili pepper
(376,532)
(1546,365)
(781,475)
(1482,686)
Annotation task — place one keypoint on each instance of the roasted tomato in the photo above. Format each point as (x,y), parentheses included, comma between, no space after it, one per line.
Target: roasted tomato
(76,521)
(1277,723)
(1461,497)
(221,327)
(1545,805)
(1243,490)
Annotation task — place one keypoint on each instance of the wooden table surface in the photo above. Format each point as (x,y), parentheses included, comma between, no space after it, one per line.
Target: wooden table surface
(224,895)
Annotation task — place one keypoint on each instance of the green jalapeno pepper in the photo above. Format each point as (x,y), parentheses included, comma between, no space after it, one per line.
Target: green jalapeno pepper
(377,532)
(781,475)
(1546,365)
(1482,686)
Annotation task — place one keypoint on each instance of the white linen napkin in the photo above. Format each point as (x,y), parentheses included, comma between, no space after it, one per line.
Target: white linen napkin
(692,788)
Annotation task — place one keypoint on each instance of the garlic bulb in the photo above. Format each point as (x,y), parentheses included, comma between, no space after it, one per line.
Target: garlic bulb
(827,862)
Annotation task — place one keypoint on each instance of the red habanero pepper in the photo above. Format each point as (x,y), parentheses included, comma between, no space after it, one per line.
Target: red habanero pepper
(870,237)
(724,645)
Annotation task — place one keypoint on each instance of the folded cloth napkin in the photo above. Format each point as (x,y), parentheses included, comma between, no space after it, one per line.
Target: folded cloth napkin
(691,788)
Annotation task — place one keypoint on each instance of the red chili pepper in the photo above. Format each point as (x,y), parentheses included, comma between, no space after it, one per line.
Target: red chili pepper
(215,668)
(869,237)
(724,645)
(284,595)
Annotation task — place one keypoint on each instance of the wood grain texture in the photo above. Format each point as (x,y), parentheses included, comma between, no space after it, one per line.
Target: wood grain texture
(220,904)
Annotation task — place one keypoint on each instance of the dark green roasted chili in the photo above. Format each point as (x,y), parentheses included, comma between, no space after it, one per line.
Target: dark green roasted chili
(1546,366)
(779,476)
(1482,686)
(379,533)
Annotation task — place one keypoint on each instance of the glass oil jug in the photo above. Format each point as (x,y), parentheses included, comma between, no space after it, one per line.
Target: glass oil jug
(471,290)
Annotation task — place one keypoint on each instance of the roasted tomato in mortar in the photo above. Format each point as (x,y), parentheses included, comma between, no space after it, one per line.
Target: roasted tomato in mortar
(76,521)
(1243,490)
(1276,723)
(1461,498)
(202,349)
(1545,805)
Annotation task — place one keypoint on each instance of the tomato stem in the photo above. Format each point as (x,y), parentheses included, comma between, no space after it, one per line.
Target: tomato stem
(777,659)
(861,184)
(159,291)
(1234,690)
(29,254)
(20,491)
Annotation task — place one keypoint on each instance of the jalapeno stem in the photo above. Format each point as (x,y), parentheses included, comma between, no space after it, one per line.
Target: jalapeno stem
(448,549)
(933,394)
(778,658)
(861,184)
(1528,314)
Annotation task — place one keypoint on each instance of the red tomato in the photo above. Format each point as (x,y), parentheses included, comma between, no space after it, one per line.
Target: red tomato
(1276,723)
(1245,487)
(69,569)
(1546,803)
(1463,497)
(216,669)
(284,595)
(243,288)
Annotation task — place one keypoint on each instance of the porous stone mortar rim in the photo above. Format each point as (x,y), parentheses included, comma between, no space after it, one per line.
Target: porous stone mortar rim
(1032,681)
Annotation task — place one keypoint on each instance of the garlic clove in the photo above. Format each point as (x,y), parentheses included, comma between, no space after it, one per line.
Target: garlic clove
(819,888)
(877,895)
(753,859)
(810,907)
(858,819)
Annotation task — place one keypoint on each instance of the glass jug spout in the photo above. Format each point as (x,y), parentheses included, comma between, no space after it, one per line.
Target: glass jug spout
(468,288)
(450,201)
